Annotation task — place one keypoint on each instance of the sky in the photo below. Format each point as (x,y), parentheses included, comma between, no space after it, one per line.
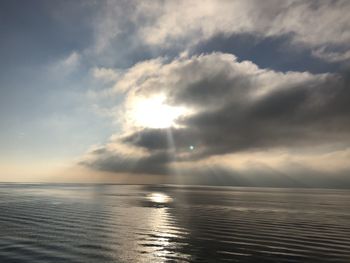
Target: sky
(247,93)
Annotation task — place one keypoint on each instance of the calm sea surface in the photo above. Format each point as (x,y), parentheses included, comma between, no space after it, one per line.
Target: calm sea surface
(123,223)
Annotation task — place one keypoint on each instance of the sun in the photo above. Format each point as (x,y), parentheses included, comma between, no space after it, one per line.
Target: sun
(154,113)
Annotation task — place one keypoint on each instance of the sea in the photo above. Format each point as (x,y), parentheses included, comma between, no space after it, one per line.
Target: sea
(91,223)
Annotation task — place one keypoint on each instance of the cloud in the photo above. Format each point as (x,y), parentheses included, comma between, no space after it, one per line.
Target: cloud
(315,24)
(67,65)
(300,35)
(105,74)
(233,108)
(72,60)
(332,56)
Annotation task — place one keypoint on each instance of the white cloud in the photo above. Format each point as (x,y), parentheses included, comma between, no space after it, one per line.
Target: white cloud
(184,23)
(67,65)
(105,74)
(313,23)
(332,56)
(72,60)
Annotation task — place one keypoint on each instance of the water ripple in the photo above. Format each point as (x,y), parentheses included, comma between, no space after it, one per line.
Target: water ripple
(110,223)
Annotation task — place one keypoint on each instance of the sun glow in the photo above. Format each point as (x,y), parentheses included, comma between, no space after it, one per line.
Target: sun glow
(154,113)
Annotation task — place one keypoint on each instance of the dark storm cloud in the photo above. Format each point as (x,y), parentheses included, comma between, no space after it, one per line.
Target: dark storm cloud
(239,108)
(298,116)
(295,114)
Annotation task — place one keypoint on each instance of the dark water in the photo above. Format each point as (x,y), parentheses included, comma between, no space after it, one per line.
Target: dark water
(113,223)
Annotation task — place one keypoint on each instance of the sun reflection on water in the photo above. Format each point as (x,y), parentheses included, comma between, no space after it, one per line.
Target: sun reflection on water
(159,198)
(158,244)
